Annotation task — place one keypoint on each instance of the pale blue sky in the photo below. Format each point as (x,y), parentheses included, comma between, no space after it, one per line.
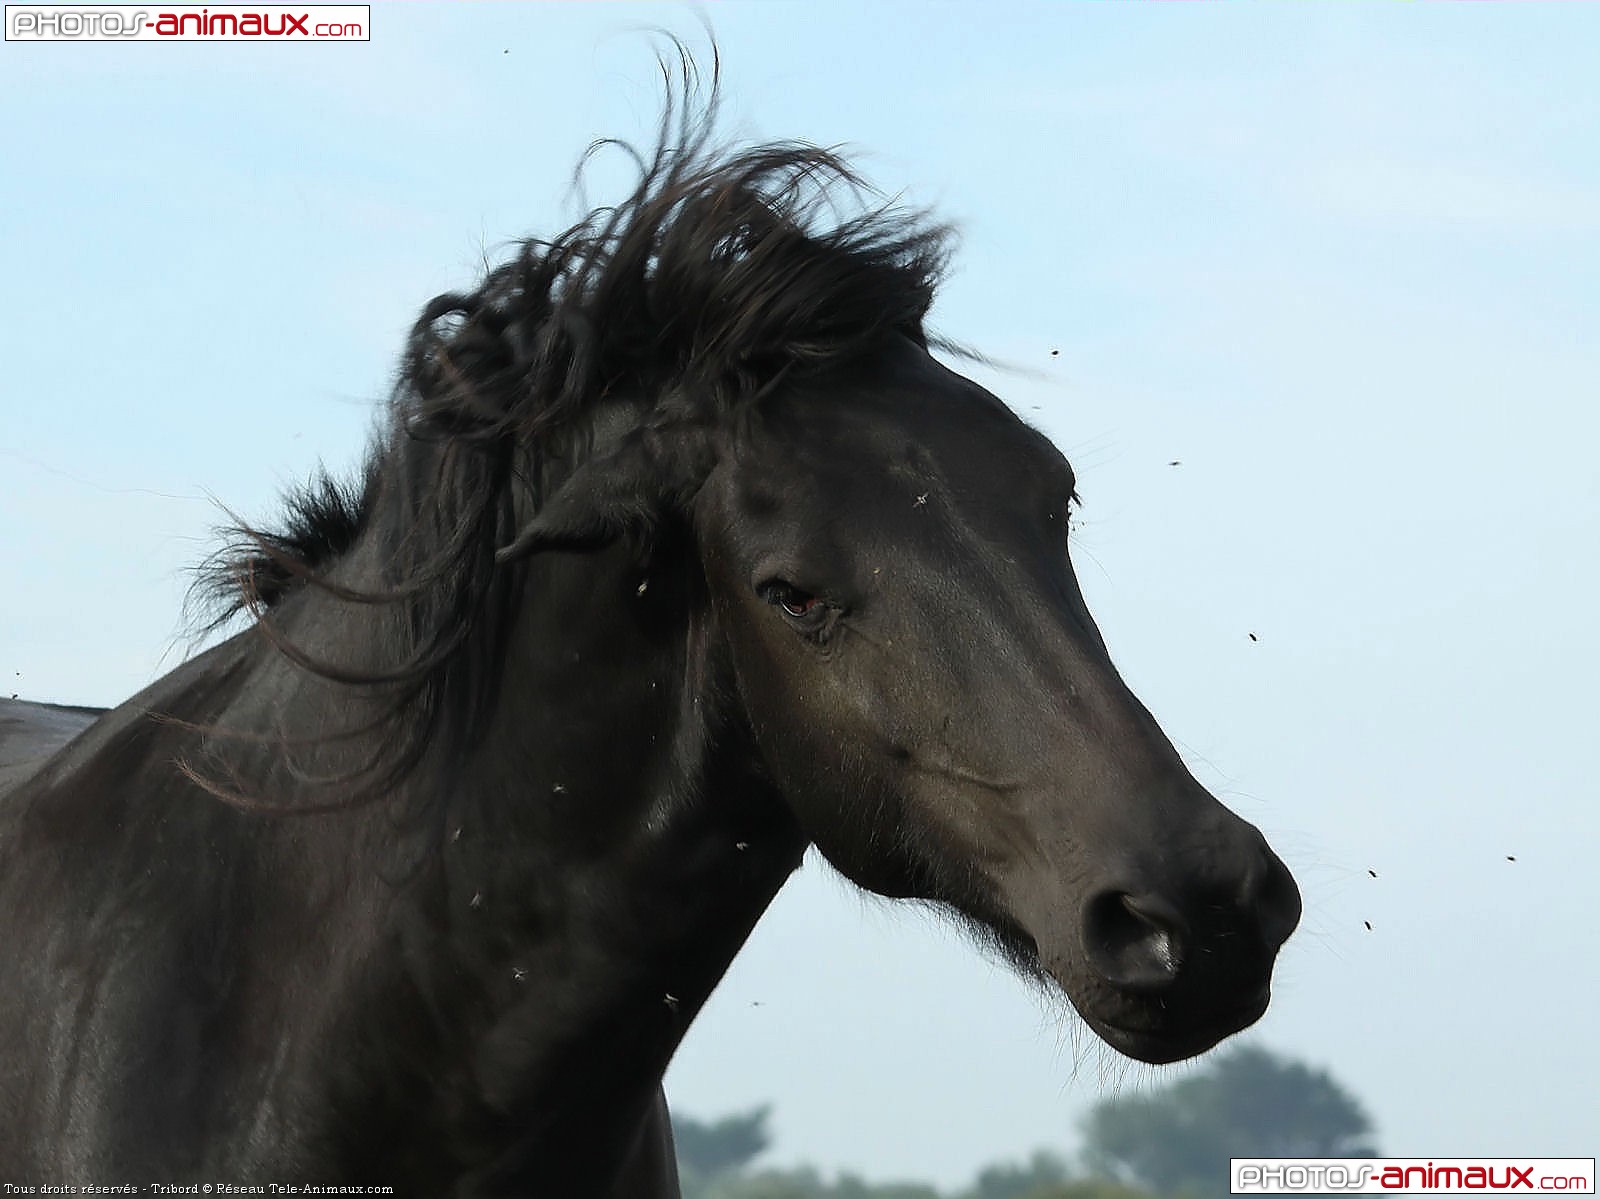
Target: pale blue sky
(1342,262)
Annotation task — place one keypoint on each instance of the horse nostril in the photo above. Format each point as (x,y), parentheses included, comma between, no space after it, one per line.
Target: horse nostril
(1134,942)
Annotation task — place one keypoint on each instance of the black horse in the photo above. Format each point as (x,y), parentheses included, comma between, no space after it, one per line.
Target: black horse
(680,552)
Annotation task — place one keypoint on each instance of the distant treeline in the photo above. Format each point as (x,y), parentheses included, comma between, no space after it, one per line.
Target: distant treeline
(1172,1144)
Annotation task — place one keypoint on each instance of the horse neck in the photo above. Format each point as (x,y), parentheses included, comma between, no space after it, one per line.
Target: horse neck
(635,805)
(597,852)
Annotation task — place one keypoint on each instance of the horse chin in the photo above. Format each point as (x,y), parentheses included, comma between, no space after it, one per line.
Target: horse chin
(1158,1048)
(1147,1031)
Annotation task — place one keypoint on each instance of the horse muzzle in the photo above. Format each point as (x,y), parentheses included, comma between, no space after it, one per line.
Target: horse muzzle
(1164,969)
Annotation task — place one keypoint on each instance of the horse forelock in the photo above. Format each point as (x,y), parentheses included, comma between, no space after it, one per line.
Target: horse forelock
(718,273)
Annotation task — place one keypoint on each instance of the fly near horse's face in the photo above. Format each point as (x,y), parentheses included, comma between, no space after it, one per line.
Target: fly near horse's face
(679,551)
(933,699)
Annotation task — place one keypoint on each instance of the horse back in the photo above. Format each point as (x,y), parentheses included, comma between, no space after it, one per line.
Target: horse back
(114,906)
(30,734)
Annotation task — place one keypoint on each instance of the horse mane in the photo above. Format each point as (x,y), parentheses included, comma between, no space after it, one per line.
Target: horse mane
(723,271)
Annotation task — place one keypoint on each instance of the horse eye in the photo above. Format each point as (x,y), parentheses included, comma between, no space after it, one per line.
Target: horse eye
(795,603)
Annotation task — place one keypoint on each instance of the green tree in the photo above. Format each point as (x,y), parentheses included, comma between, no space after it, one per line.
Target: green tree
(1043,1173)
(805,1183)
(707,1150)
(1088,1188)
(849,1186)
(1246,1103)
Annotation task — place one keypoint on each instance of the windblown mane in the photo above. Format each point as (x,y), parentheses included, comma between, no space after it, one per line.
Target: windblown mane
(720,273)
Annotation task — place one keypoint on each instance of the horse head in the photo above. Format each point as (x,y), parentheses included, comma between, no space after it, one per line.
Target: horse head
(882,547)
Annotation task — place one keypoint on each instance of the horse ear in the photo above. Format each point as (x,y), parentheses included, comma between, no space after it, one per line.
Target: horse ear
(653,472)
